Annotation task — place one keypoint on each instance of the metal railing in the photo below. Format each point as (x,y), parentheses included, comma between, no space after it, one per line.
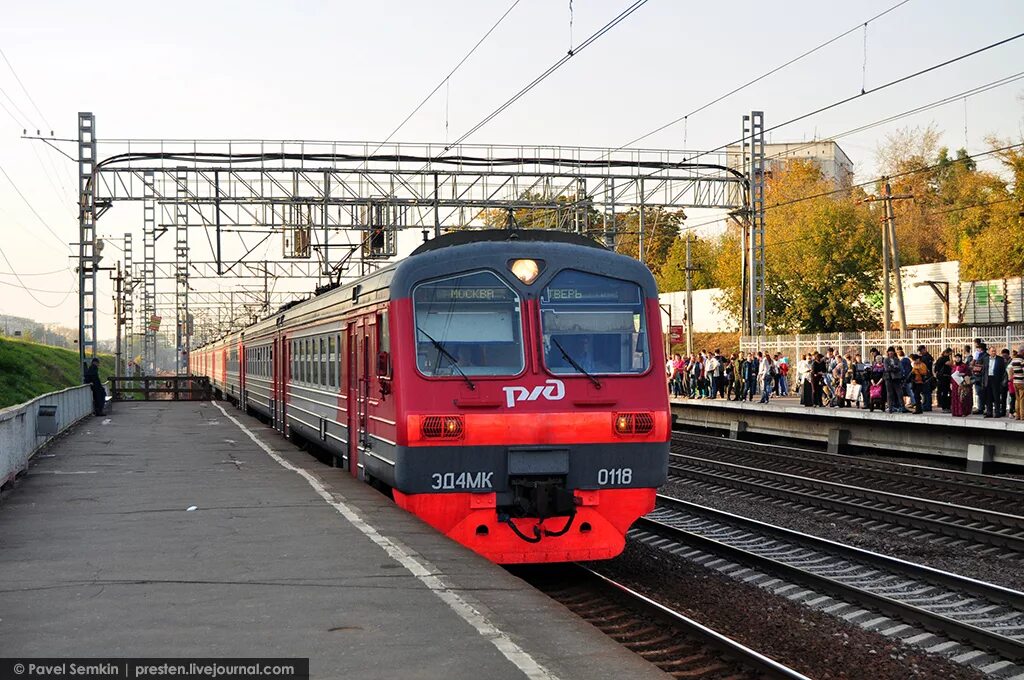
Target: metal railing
(935,339)
(20,426)
(161,388)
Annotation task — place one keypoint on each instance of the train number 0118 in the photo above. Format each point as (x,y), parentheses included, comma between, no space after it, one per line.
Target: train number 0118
(617,476)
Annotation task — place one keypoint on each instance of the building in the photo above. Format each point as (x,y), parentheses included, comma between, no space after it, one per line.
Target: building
(835,165)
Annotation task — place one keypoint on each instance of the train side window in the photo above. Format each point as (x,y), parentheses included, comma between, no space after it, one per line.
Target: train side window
(383,347)
(332,361)
(321,361)
(307,374)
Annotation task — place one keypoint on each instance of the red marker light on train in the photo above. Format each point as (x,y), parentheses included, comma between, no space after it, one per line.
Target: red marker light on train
(526,271)
(633,423)
(442,427)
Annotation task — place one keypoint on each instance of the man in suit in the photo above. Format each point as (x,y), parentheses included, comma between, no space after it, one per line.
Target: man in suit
(993,383)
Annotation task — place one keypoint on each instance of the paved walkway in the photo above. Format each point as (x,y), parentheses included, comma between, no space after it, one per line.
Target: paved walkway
(167,530)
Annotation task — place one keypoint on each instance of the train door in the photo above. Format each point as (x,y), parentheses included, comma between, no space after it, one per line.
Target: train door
(275,383)
(352,387)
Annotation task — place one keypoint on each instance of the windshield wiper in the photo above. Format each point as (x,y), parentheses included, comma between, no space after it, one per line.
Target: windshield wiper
(455,362)
(574,364)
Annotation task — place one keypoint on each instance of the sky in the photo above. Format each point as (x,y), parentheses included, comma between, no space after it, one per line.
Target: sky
(353,70)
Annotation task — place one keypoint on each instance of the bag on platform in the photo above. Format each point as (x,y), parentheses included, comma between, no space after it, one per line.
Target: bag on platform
(853,391)
(875,392)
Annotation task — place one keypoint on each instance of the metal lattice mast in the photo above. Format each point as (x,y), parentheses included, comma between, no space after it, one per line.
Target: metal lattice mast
(148,271)
(86,238)
(127,300)
(181,271)
(753,156)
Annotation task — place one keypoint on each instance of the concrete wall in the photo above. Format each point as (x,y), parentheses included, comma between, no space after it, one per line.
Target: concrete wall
(708,315)
(18,439)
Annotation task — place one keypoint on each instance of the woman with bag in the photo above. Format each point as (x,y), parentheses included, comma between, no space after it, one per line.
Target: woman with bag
(876,384)
(963,395)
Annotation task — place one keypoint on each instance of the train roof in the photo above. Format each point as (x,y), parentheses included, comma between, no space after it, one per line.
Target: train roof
(463,237)
(477,249)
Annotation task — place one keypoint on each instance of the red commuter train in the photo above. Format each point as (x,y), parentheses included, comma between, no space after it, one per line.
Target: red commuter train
(506,386)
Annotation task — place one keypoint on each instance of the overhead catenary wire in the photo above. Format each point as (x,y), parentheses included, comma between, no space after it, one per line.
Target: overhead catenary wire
(845,189)
(33,210)
(873,90)
(622,16)
(31,291)
(764,75)
(24,89)
(447,77)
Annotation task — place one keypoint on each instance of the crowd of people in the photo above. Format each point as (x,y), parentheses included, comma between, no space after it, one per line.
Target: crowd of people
(981,379)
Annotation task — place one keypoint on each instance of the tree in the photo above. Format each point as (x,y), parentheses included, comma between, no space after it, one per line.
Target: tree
(823,255)
(563,212)
(661,232)
(703,258)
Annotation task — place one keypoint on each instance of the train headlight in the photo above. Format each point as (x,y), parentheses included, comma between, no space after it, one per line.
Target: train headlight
(525,270)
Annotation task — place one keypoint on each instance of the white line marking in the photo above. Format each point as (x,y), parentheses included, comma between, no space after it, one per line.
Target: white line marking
(62,472)
(418,567)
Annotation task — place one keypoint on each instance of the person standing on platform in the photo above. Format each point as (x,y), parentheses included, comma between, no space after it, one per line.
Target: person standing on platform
(767,376)
(894,382)
(99,395)
(782,364)
(819,369)
(978,364)
(750,376)
(1004,391)
(906,366)
(943,372)
(925,402)
(876,384)
(919,377)
(962,392)
(994,376)
(1017,379)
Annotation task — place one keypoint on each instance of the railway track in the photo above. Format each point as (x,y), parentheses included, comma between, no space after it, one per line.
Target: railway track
(962,488)
(675,643)
(975,623)
(971,524)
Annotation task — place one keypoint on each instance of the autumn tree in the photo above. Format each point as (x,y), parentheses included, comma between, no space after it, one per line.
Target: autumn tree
(661,232)
(822,255)
(704,254)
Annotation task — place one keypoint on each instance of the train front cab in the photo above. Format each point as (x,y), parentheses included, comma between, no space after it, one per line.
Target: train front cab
(534,421)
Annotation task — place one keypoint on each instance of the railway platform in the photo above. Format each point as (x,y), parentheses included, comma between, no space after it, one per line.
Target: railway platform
(186,529)
(979,442)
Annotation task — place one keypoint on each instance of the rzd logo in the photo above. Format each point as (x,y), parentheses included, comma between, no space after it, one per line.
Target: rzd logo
(552,390)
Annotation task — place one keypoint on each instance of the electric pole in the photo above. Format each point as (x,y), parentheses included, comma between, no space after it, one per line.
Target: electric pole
(891,257)
(118,319)
(689,298)
(890,217)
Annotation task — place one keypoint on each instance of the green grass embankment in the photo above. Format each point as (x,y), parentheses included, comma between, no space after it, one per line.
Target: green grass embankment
(28,370)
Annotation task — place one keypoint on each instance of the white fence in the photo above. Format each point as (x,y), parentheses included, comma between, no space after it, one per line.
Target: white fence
(935,340)
(18,438)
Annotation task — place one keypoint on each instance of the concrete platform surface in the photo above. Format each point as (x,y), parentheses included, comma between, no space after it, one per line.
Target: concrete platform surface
(791,405)
(100,555)
(978,441)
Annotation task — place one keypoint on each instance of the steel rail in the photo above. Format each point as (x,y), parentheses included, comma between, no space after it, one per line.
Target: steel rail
(967,482)
(932,621)
(998,528)
(990,591)
(732,649)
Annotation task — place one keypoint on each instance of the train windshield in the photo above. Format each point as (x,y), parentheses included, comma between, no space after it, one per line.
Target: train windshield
(593,323)
(468,325)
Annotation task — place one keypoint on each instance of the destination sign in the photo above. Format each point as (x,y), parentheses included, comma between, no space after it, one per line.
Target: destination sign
(460,294)
(614,294)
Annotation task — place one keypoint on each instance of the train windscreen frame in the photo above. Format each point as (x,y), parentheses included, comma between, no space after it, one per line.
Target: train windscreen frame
(597,322)
(470,323)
